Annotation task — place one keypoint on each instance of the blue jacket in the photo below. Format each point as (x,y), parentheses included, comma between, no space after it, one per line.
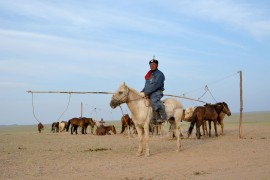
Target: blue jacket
(154,83)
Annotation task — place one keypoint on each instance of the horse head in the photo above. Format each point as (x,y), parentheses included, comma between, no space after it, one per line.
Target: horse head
(120,96)
(226,109)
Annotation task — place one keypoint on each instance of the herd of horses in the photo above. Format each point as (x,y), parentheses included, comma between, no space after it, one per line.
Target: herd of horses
(195,115)
(141,113)
(82,122)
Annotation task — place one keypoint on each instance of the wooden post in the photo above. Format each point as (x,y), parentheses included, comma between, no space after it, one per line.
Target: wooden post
(241,107)
(81,109)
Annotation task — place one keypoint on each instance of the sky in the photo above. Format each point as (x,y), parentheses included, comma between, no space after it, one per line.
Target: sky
(90,46)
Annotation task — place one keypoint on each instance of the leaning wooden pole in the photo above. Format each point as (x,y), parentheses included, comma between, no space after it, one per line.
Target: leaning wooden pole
(92,92)
(241,107)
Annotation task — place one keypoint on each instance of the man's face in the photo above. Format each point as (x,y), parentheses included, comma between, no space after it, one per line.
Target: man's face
(153,66)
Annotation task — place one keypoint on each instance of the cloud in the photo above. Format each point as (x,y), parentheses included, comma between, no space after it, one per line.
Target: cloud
(234,14)
(43,10)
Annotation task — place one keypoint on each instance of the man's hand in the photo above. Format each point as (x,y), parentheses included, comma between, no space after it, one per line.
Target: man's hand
(142,94)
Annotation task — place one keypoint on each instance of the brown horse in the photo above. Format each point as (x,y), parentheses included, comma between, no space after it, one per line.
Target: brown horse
(209,112)
(89,122)
(103,130)
(82,122)
(127,123)
(40,127)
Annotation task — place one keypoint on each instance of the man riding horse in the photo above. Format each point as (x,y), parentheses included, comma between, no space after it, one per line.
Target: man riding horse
(154,87)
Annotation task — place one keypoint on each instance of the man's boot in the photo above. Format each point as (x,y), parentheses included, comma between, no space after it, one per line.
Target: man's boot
(162,115)
(155,117)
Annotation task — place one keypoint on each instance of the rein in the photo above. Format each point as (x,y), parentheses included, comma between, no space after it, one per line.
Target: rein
(119,101)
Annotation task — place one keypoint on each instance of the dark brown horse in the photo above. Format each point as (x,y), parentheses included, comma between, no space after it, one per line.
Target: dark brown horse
(103,130)
(82,122)
(40,127)
(127,123)
(208,112)
(55,127)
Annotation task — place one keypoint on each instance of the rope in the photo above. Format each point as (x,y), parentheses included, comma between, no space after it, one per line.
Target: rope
(66,107)
(211,94)
(206,89)
(121,110)
(183,97)
(34,108)
(214,82)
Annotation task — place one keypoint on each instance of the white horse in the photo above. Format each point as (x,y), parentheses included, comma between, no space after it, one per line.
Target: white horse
(141,111)
(188,114)
(62,126)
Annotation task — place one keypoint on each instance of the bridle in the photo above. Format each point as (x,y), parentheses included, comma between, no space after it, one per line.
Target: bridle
(125,99)
(120,101)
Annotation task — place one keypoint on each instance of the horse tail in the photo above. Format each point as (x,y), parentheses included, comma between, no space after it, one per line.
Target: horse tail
(68,125)
(193,121)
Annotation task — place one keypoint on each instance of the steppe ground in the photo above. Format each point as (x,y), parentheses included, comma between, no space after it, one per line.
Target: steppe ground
(27,154)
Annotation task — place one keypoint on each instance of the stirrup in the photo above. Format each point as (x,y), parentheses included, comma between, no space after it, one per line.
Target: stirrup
(161,120)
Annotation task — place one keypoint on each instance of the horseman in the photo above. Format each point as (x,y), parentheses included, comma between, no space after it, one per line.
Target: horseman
(101,122)
(153,89)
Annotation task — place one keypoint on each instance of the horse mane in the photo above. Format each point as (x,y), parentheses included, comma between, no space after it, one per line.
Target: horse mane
(133,90)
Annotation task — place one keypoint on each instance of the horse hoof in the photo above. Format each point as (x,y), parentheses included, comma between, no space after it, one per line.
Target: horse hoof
(138,154)
(147,155)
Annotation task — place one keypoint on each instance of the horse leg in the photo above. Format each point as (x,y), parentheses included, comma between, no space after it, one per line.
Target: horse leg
(205,125)
(172,130)
(177,133)
(128,129)
(92,129)
(82,129)
(215,126)
(123,129)
(140,139)
(198,133)
(209,123)
(222,126)
(159,130)
(204,128)
(146,138)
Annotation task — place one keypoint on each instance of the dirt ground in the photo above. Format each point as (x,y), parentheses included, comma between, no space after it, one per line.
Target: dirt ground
(27,154)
